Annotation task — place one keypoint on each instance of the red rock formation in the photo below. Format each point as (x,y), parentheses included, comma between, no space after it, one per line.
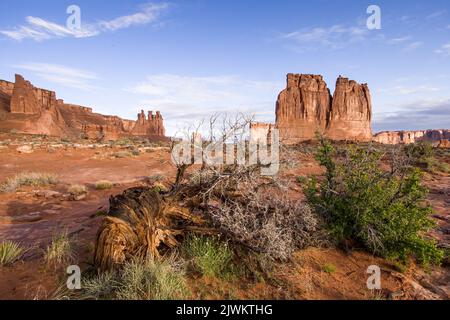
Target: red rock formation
(24,100)
(406,137)
(306,107)
(303,107)
(351,112)
(151,126)
(27,109)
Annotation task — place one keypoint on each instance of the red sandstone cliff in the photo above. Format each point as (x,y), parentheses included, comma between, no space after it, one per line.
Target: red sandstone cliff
(306,106)
(28,109)
(303,107)
(438,137)
(351,112)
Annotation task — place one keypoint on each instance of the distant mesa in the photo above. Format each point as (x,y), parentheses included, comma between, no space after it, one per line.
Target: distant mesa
(27,109)
(439,137)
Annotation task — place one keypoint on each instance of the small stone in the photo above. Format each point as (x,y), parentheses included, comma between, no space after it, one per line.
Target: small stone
(25,149)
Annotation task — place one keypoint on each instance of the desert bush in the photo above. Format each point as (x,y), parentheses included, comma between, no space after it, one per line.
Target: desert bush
(103,185)
(419,153)
(99,287)
(121,154)
(152,280)
(10,252)
(28,179)
(210,255)
(135,152)
(139,280)
(60,250)
(254,212)
(383,210)
(77,189)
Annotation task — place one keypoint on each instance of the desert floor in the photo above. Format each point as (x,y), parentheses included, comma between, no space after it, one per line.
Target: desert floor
(32,216)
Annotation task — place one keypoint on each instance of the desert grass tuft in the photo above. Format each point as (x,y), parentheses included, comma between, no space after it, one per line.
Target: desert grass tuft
(209,255)
(60,250)
(28,179)
(77,189)
(152,280)
(10,252)
(103,185)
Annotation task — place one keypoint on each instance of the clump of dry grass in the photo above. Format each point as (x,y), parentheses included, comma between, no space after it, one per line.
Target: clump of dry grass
(103,185)
(10,252)
(121,154)
(28,179)
(60,250)
(77,189)
(140,280)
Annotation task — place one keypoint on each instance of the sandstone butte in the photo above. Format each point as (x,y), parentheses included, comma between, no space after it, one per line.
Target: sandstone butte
(27,109)
(306,106)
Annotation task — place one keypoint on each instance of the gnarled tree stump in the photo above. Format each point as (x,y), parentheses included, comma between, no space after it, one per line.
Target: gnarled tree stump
(140,223)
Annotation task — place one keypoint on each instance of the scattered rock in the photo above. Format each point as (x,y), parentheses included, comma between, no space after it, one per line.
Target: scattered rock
(47,194)
(25,149)
(30,217)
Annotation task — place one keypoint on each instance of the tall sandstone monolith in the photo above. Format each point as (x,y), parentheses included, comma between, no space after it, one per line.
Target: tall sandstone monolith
(303,107)
(306,107)
(351,112)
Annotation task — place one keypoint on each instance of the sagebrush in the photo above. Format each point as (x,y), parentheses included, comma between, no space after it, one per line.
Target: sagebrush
(385,210)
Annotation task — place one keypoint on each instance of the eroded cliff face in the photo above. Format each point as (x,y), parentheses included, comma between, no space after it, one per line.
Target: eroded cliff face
(351,112)
(437,137)
(306,107)
(303,107)
(28,109)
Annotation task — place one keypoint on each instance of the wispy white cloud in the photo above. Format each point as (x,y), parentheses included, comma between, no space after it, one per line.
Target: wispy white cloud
(409,90)
(416,115)
(334,37)
(436,14)
(192,98)
(399,40)
(40,29)
(61,75)
(413,46)
(444,50)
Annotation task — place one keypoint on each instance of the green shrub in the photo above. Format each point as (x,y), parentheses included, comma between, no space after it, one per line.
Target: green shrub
(9,252)
(152,280)
(383,210)
(35,179)
(209,255)
(329,268)
(103,185)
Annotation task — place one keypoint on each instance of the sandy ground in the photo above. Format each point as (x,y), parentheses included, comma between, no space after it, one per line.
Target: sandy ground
(31,218)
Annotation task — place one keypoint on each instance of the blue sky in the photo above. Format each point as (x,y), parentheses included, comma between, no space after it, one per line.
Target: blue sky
(191,58)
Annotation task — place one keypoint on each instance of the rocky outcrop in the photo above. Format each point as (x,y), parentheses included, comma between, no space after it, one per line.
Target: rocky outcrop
(351,112)
(27,109)
(303,107)
(306,107)
(407,137)
(151,126)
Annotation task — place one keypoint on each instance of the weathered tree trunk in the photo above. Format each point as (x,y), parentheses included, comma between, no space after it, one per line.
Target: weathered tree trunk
(140,223)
